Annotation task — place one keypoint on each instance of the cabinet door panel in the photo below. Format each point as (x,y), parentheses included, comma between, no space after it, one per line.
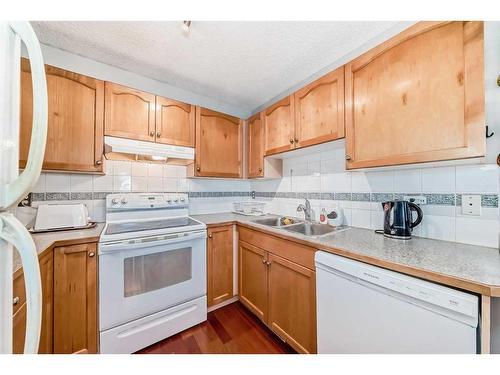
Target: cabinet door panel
(129,113)
(220,264)
(75,298)
(256,146)
(175,122)
(319,110)
(292,303)
(218,144)
(417,97)
(75,120)
(279,126)
(253,279)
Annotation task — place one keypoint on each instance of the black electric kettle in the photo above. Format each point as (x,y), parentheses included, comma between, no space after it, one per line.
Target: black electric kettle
(398,218)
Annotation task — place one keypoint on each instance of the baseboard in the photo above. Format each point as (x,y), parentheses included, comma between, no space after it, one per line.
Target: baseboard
(222,304)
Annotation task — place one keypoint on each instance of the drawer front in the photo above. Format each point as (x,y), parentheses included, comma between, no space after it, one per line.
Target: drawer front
(19,293)
(295,252)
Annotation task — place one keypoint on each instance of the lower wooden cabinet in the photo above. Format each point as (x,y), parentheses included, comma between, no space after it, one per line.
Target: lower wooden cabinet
(75,298)
(280,291)
(219,264)
(253,279)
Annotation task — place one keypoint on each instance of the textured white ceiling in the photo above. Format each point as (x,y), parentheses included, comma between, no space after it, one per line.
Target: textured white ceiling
(244,64)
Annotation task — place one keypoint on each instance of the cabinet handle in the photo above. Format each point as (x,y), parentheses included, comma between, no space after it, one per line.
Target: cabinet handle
(347,157)
(209,236)
(91,254)
(15,301)
(291,141)
(158,134)
(152,134)
(98,162)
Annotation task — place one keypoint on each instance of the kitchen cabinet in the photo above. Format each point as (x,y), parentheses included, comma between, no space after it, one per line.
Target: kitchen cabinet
(20,306)
(417,97)
(292,296)
(75,120)
(255,126)
(175,122)
(279,126)
(319,110)
(277,283)
(252,273)
(218,145)
(129,113)
(219,264)
(75,298)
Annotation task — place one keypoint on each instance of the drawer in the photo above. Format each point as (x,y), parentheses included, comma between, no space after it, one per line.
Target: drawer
(19,293)
(288,249)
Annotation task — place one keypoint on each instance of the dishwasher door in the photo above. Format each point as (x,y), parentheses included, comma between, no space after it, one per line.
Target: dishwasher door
(366,309)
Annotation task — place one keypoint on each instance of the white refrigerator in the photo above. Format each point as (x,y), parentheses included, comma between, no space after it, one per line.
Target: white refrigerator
(14,185)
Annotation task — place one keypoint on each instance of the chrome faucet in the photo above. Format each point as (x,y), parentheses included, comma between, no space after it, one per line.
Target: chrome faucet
(307,209)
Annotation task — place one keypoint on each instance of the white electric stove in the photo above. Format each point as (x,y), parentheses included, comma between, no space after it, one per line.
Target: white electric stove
(152,270)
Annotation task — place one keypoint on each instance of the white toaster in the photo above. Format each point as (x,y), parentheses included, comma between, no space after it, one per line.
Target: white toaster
(56,216)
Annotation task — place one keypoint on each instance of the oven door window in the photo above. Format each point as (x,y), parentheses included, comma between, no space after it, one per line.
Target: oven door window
(146,273)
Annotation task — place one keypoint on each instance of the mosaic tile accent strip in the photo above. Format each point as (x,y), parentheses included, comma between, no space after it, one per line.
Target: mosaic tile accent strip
(489,200)
(361,197)
(343,196)
(81,196)
(313,195)
(381,197)
(38,196)
(328,196)
(57,196)
(440,199)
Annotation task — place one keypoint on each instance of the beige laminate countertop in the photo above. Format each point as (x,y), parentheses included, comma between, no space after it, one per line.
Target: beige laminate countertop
(469,267)
(44,241)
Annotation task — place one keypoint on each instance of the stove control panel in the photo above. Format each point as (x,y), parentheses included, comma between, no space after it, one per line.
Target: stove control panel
(127,201)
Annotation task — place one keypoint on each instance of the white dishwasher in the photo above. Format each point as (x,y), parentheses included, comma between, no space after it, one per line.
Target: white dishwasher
(366,309)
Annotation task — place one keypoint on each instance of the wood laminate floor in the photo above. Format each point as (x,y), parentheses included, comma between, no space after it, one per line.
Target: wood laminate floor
(231,329)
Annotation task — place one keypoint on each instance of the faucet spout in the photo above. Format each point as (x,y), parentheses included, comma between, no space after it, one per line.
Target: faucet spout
(306,209)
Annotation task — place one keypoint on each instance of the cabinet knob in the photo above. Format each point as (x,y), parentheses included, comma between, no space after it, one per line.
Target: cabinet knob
(347,157)
(291,141)
(209,236)
(268,263)
(91,254)
(152,134)
(98,162)
(263,261)
(158,134)
(15,301)
(198,169)
(296,140)
(260,169)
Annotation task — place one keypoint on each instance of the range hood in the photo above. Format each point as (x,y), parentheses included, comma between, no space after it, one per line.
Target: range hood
(127,149)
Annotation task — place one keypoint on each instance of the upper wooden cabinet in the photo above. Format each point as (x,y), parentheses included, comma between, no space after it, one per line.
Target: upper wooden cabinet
(279,126)
(129,113)
(417,97)
(174,122)
(319,110)
(256,146)
(218,144)
(75,120)
(219,264)
(75,298)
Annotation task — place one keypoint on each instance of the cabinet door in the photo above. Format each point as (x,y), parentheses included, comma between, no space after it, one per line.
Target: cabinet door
(417,97)
(20,306)
(75,120)
(292,303)
(129,113)
(218,144)
(279,126)
(174,122)
(253,279)
(219,264)
(256,146)
(75,298)
(319,110)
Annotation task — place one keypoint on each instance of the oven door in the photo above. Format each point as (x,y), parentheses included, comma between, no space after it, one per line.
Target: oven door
(142,276)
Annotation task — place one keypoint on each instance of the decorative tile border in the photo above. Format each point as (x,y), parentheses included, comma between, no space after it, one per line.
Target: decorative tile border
(487,200)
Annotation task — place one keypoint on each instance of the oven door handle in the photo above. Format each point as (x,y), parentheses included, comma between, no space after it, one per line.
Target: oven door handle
(137,243)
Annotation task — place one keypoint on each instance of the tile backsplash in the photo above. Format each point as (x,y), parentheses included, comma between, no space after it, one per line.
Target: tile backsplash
(206,196)
(322,178)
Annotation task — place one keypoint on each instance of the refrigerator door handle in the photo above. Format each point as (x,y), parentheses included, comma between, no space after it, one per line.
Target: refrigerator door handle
(13,232)
(22,185)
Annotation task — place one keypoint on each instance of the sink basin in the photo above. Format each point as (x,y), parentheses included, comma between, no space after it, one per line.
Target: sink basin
(276,221)
(311,229)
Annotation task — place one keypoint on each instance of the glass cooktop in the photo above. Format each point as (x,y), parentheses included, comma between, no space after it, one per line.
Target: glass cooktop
(138,226)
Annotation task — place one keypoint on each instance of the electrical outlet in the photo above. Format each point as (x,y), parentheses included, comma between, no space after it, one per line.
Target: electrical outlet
(417,199)
(471,205)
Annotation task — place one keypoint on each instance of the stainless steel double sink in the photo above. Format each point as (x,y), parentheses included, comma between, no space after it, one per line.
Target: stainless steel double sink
(298,226)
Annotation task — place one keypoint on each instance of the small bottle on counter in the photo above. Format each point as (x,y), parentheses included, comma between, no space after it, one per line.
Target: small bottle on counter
(322,216)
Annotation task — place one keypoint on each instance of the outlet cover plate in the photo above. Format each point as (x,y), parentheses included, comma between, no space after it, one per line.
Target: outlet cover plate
(417,199)
(471,205)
